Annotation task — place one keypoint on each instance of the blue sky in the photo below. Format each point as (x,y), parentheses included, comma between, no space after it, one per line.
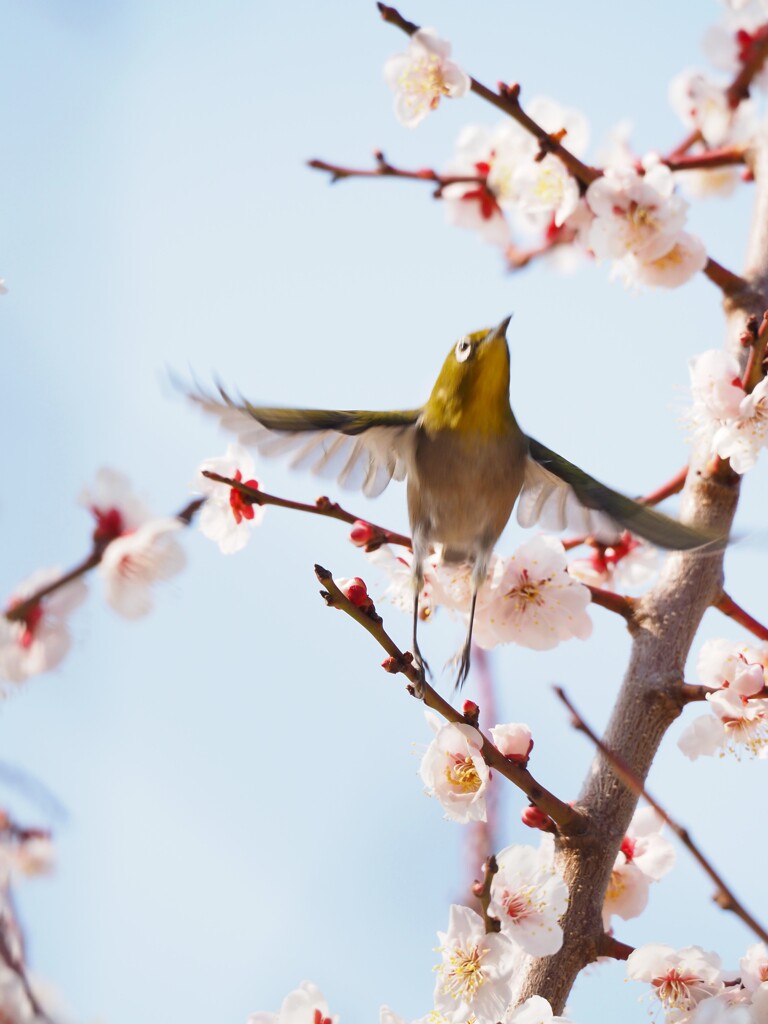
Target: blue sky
(238,778)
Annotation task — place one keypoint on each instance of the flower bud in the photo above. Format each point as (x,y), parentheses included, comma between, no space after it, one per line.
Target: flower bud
(535,818)
(362,533)
(355,590)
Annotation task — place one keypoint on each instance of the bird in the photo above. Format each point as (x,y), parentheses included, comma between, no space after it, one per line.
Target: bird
(466,462)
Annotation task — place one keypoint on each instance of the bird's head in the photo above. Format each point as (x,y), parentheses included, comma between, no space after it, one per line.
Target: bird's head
(472,391)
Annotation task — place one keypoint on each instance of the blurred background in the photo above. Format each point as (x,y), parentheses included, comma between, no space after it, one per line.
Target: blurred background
(232,781)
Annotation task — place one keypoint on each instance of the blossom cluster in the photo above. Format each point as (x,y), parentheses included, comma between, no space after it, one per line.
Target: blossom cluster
(132,551)
(528,599)
(738,718)
(630,213)
(730,420)
(692,987)
(307,1004)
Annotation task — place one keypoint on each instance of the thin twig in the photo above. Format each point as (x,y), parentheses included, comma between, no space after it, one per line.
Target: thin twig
(322,507)
(507,100)
(482,892)
(618,603)
(724,897)
(384,169)
(708,159)
(569,820)
(728,607)
(738,90)
(19,611)
(729,283)
(673,486)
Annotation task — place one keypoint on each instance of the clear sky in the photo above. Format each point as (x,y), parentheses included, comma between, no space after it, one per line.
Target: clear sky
(236,779)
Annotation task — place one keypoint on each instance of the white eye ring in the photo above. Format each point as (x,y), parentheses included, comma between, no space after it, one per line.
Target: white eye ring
(463,348)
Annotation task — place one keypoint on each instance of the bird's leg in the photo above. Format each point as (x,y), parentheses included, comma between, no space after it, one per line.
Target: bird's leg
(419,660)
(464,655)
(479,574)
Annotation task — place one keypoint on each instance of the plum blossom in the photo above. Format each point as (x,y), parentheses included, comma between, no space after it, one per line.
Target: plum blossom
(681,978)
(227,517)
(547,190)
(474,976)
(639,223)
(645,856)
(535,1010)
(39,641)
(739,667)
(514,740)
(679,264)
(422,75)
(491,154)
(399,569)
(453,770)
(532,600)
(732,421)
(529,897)
(115,507)
(305,1005)
(704,184)
(626,564)
(731,43)
(133,562)
(703,106)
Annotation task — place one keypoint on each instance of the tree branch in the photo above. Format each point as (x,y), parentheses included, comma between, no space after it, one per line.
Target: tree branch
(21,609)
(569,820)
(728,607)
(507,100)
(724,896)
(322,507)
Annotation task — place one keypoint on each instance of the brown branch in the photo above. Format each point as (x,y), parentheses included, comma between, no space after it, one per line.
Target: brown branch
(569,820)
(755,339)
(682,148)
(482,892)
(322,507)
(673,486)
(728,607)
(384,169)
(607,945)
(20,610)
(618,603)
(730,284)
(738,90)
(507,100)
(708,159)
(15,965)
(724,897)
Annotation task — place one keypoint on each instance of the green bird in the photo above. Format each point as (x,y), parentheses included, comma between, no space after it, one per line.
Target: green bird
(466,462)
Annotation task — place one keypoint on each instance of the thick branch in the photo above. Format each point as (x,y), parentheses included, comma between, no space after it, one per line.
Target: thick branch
(569,820)
(724,896)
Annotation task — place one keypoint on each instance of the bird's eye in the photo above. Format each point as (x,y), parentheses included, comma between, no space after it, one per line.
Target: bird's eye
(463,349)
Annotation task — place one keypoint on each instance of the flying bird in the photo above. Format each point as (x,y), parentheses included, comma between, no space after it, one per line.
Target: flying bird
(466,462)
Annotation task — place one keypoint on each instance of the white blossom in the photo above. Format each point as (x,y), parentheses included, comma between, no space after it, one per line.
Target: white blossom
(635,214)
(682,261)
(226,517)
(514,740)
(754,967)
(453,770)
(474,976)
(645,856)
(680,979)
(111,500)
(535,1010)
(40,641)
(532,601)
(133,562)
(422,75)
(703,106)
(529,897)
(627,564)
(305,1005)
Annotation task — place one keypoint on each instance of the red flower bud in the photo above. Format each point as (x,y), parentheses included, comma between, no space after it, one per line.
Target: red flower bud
(362,533)
(357,592)
(535,818)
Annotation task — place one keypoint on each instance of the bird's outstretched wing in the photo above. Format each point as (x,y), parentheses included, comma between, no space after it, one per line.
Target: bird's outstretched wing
(561,496)
(362,450)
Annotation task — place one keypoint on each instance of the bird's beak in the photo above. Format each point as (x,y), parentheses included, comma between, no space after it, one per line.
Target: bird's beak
(501,330)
